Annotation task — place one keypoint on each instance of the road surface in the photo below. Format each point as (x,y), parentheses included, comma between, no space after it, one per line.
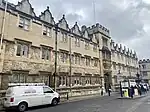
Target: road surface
(101,104)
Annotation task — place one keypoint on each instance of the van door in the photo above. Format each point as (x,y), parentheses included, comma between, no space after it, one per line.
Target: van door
(33,94)
(48,95)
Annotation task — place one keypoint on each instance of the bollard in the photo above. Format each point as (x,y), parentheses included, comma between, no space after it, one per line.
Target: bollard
(67,96)
(102,93)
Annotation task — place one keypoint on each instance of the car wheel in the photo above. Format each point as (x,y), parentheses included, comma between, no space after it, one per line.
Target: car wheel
(54,102)
(22,107)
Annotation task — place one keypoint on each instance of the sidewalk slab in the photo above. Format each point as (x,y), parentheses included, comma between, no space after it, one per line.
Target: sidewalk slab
(80,98)
(135,97)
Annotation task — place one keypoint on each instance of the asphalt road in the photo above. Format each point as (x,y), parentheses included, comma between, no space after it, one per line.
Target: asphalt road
(101,104)
(144,107)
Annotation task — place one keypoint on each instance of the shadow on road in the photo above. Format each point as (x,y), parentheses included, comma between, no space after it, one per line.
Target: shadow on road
(34,108)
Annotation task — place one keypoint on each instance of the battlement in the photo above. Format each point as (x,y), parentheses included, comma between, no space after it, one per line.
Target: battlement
(144,61)
(123,49)
(99,28)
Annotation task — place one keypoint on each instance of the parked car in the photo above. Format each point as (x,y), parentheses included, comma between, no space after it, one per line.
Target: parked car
(22,96)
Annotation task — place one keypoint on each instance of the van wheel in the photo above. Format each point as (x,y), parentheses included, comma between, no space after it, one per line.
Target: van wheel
(22,107)
(54,102)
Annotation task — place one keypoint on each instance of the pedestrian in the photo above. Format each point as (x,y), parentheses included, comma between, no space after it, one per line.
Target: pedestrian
(132,91)
(139,90)
(109,91)
(102,91)
(143,89)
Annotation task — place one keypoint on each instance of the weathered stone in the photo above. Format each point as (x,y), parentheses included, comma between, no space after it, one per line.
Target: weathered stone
(34,40)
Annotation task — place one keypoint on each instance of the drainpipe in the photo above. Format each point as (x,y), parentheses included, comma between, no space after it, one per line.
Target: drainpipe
(55,72)
(3,27)
(100,66)
(70,66)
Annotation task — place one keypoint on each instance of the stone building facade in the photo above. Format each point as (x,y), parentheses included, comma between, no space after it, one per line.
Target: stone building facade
(144,67)
(124,63)
(84,55)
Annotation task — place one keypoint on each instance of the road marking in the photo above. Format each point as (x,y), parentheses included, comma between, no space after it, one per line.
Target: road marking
(135,106)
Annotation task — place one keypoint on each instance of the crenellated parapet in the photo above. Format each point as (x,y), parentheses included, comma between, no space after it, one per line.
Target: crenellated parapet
(122,49)
(144,61)
(99,28)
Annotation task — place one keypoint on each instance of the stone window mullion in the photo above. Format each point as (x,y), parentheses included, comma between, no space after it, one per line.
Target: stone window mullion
(62,80)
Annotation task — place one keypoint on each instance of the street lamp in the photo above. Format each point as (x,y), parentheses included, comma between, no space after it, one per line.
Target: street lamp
(70,60)
(138,77)
(120,83)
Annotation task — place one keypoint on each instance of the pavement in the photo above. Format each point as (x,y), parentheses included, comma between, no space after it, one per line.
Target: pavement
(135,97)
(100,104)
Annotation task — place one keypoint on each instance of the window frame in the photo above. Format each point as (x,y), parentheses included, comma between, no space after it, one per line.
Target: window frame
(96,61)
(77,81)
(77,59)
(64,37)
(87,45)
(46,31)
(94,47)
(46,53)
(24,49)
(88,61)
(64,57)
(105,41)
(77,42)
(24,23)
(20,77)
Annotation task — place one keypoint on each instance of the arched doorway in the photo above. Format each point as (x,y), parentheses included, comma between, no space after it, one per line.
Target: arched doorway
(107,81)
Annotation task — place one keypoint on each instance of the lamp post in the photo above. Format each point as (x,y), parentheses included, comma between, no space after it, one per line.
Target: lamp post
(138,77)
(55,72)
(120,85)
(70,66)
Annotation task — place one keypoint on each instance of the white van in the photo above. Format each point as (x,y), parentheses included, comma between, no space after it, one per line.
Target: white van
(22,96)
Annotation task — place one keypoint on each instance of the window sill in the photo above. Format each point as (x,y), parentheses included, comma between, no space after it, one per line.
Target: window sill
(22,57)
(62,86)
(47,36)
(24,29)
(45,60)
(88,85)
(76,85)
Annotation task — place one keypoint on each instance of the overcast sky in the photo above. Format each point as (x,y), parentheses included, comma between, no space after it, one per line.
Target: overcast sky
(127,20)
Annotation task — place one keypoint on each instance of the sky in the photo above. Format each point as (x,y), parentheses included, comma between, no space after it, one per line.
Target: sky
(127,20)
